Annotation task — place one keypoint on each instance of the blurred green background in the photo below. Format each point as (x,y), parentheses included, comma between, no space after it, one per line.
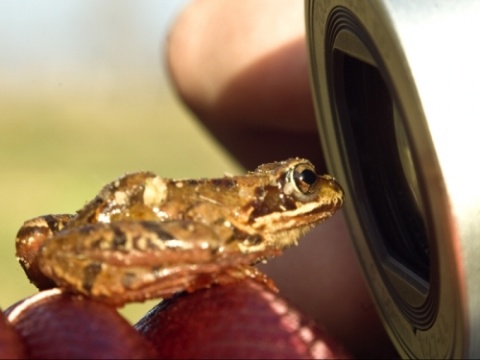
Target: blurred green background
(83,99)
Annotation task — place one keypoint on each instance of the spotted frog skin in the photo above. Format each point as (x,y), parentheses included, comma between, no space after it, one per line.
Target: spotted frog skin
(144,236)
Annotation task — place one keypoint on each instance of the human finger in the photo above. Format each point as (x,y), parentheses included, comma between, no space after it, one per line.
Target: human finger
(55,325)
(242,68)
(239,320)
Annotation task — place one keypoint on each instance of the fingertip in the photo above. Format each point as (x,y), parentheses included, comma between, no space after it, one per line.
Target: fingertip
(11,346)
(242,320)
(52,324)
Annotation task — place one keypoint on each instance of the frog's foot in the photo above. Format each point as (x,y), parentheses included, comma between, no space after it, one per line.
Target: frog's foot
(237,273)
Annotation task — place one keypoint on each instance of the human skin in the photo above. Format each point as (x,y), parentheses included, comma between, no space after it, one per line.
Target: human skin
(242,68)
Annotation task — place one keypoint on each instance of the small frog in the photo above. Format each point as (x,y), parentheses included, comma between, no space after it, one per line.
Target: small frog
(144,236)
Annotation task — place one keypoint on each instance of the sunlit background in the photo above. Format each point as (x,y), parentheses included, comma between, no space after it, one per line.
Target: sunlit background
(84,98)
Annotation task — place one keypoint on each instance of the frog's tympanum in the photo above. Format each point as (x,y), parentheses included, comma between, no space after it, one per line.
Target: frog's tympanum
(145,236)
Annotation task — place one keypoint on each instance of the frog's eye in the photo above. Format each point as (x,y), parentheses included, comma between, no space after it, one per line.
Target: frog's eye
(305,179)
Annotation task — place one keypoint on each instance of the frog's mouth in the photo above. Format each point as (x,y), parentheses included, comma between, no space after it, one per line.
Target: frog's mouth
(306,215)
(281,230)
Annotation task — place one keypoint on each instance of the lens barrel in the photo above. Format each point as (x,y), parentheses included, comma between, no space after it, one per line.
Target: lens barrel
(395,87)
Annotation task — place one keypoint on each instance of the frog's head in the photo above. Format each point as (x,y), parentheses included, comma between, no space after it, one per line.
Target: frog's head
(293,201)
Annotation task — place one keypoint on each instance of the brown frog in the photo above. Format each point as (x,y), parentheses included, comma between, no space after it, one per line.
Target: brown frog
(145,236)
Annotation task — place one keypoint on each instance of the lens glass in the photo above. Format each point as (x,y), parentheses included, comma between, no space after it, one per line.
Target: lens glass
(382,167)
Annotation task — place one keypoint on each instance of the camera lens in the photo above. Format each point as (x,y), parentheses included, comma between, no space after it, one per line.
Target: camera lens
(382,165)
(379,169)
(396,113)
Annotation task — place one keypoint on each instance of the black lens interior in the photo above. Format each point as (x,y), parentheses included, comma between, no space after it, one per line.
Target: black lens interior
(389,210)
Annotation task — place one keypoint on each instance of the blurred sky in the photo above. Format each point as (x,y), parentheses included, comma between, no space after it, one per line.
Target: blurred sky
(47,43)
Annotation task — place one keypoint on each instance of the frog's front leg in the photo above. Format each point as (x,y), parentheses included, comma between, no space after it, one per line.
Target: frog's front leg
(30,238)
(236,273)
(137,260)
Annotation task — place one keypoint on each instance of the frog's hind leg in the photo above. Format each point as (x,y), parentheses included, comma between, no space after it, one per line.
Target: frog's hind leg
(30,238)
(126,261)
